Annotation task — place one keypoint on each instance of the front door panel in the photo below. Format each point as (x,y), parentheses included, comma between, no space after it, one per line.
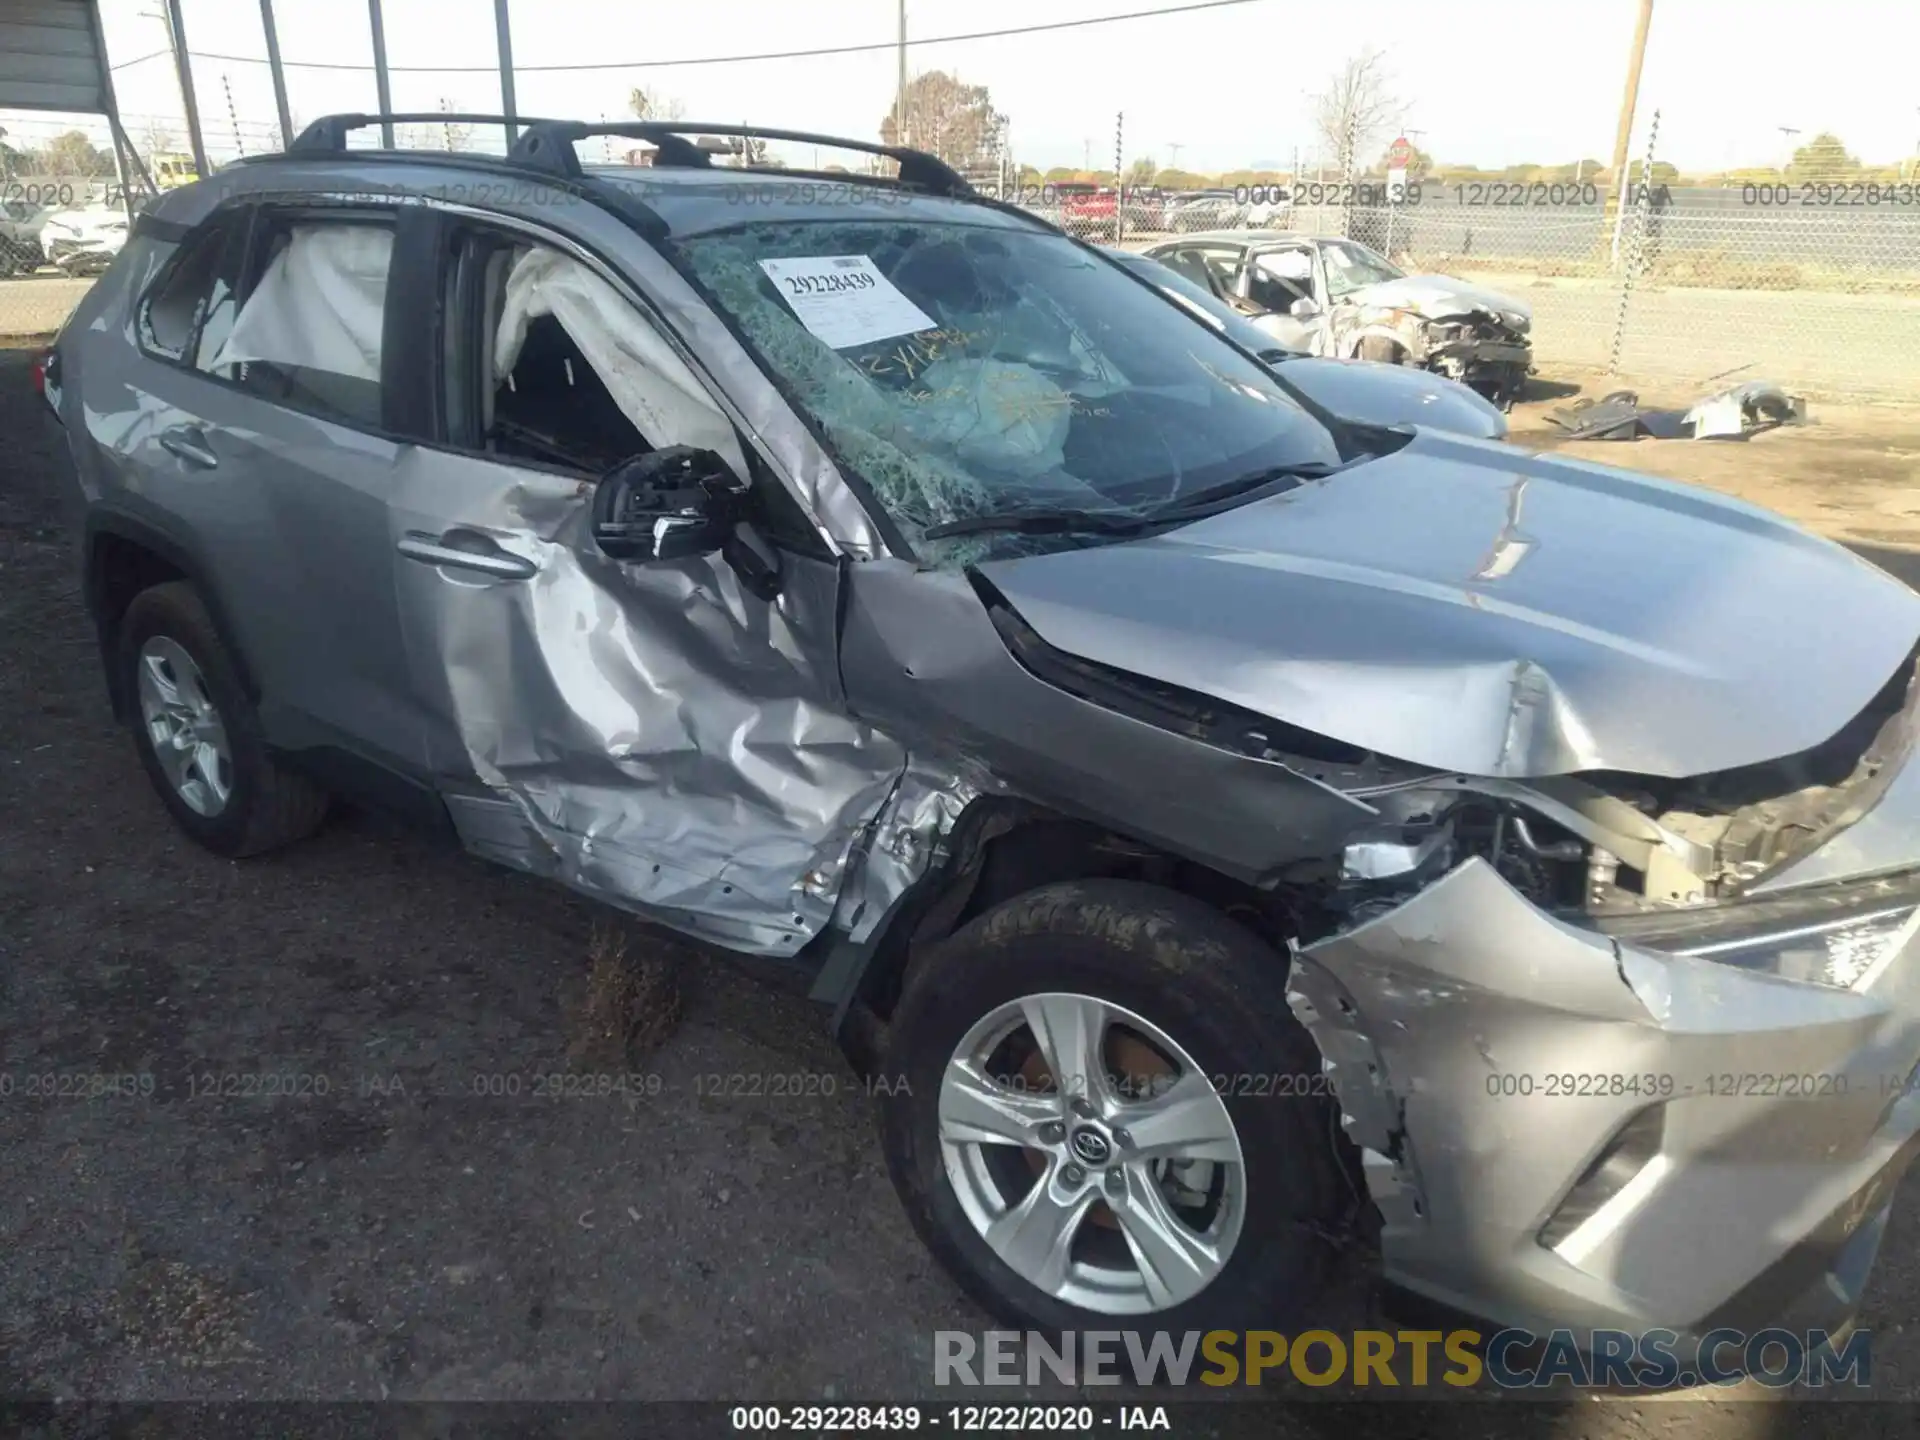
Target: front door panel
(651,734)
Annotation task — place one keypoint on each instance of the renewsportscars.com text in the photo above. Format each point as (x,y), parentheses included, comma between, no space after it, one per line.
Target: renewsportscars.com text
(1506,1359)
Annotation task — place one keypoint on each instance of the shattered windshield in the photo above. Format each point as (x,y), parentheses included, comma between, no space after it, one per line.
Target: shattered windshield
(1351,267)
(965,371)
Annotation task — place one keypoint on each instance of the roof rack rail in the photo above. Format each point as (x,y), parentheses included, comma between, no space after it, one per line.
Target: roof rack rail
(329,132)
(548,145)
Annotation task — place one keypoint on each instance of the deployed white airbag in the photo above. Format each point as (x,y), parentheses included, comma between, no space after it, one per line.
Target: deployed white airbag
(648,381)
(320,306)
(994,413)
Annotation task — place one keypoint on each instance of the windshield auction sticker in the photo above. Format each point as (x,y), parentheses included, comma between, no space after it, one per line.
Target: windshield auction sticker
(844,300)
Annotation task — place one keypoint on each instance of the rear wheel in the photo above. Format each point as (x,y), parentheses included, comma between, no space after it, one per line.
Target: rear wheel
(1109,1112)
(197,733)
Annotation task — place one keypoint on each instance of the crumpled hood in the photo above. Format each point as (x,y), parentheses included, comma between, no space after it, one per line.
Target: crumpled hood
(1438,296)
(1471,607)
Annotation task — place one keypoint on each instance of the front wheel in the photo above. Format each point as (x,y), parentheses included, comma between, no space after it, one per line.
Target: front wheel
(1101,1107)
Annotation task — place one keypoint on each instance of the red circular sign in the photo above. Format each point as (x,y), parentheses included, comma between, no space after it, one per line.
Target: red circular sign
(1400,154)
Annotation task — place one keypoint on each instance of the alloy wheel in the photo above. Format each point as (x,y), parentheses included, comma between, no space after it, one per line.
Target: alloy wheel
(1092,1154)
(184,727)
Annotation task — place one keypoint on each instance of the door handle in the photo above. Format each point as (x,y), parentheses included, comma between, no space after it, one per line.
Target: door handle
(189,442)
(467,550)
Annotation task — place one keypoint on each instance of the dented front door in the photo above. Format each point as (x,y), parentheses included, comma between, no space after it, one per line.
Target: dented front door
(652,734)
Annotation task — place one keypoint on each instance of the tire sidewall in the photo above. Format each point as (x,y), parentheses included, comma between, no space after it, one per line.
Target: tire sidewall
(173,616)
(1280,1255)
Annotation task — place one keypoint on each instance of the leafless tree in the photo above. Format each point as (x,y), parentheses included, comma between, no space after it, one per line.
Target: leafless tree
(1357,108)
(159,138)
(653,105)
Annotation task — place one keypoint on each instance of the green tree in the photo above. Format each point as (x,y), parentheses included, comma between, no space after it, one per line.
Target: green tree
(1823,158)
(72,153)
(1141,172)
(1663,173)
(948,118)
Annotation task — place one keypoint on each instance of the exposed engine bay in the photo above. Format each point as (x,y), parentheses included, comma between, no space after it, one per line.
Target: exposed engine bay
(1603,843)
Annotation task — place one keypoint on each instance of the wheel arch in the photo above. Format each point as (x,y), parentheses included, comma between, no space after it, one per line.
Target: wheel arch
(123,556)
(998,849)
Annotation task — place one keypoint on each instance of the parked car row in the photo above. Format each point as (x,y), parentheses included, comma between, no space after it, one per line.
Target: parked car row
(1225,795)
(78,241)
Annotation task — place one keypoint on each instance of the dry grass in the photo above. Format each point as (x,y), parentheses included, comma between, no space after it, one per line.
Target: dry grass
(631,1003)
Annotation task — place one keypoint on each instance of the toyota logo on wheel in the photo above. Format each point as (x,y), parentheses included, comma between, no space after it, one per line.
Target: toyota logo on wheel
(1091,1146)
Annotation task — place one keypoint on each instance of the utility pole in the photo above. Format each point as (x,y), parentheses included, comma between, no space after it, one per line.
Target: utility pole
(900,92)
(1623,132)
(1787,132)
(189,104)
(1174,147)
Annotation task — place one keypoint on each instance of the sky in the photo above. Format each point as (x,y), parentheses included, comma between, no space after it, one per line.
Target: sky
(1486,82)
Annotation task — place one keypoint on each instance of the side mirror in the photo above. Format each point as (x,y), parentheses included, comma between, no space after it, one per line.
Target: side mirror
(668,505)
(1303,309)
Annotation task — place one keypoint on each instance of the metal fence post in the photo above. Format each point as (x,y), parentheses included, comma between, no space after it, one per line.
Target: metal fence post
(278,72)
(1634,246)
(177,34)
(1119,178)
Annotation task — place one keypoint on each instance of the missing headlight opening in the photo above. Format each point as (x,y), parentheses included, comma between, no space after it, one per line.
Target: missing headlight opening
(1605,844)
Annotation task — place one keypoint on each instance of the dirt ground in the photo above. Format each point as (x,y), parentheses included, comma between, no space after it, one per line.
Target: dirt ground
(1851,472)
(411,1233)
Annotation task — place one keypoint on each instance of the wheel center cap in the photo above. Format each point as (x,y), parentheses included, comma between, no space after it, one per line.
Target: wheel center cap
(1090,1146)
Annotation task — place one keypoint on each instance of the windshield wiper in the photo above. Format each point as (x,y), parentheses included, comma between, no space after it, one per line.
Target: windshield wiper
(1196,506)
(1213,497)
(1042,522)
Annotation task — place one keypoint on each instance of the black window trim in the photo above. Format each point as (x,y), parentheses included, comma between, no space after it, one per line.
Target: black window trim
(260,211)
(185,245)
(807,541)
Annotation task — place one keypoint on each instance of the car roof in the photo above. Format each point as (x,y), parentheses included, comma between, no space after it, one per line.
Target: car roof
(687,200)
(693,201)
(1243,239)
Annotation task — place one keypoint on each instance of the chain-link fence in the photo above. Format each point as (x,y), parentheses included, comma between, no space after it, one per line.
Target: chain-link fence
(1811,284)
(1815,286)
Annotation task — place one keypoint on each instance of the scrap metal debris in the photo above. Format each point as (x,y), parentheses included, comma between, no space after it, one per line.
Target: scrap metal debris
(1734,414)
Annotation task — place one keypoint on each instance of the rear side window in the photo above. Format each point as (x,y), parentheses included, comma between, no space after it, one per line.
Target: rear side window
(308,330)
(189,309)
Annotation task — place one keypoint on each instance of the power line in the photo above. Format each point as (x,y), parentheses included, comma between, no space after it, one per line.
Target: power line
(737,59)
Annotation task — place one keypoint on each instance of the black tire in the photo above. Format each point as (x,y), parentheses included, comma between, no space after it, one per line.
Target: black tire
(1380,348)
(267,806)
(1212,987)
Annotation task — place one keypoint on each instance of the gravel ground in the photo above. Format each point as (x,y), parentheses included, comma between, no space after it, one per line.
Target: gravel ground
(401,1235)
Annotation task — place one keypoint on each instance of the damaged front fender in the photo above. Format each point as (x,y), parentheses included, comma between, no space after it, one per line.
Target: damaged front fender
(1486,1056)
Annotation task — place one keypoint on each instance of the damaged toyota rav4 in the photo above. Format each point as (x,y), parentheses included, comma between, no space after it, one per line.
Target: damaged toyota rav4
(1227,828)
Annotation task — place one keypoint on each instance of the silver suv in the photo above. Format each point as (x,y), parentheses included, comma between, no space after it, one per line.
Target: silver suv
(1226,826)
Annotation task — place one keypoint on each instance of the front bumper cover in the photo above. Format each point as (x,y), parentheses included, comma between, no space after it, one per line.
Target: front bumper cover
(1487,1056)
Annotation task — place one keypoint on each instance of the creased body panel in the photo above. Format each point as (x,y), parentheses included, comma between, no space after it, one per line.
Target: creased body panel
(1445,1022)
(921,657)
(668,742)
(1478,609)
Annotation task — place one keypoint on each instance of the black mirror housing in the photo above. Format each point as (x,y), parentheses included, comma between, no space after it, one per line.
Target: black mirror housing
(668,504)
